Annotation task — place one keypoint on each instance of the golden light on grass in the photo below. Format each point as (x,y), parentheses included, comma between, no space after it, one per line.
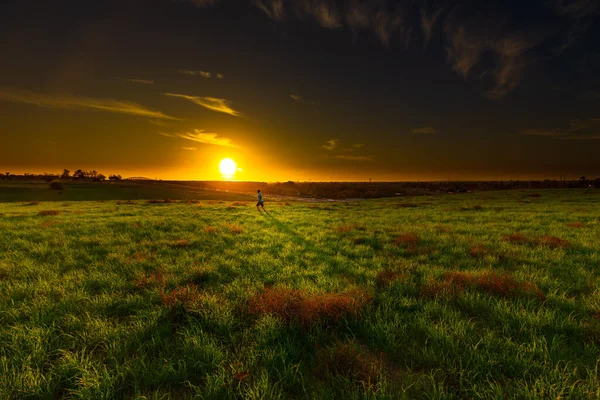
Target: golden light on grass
(228,168)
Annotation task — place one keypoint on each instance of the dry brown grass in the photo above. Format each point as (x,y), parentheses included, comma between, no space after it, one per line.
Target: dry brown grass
(239,204)
(153,279)
(491,283)
(211,202)
(287,203)
(181,243)
(47,224)
(351,360)
(183,294)
(127,202)
(479,251)
(235,229)
(386,277)
(516,238)
(553,242)
(165,201)
(209,229)
(292,305)
(349,228)
(576,224)
(32,203)
(48,212)
(410,240)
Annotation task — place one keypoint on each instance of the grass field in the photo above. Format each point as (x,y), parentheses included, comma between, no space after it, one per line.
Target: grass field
(479,295)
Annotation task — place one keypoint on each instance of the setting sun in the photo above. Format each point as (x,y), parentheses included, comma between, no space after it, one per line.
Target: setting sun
(227,167)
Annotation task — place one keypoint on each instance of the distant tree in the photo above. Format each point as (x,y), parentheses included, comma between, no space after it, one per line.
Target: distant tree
(583,179)
(101,177)
(79,174)
(56,185)
(66,174)
(115,177)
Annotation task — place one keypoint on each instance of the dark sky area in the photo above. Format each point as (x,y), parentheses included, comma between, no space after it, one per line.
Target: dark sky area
(299,90)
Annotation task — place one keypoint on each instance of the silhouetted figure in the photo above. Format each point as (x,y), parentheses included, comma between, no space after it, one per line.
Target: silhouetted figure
(261,201)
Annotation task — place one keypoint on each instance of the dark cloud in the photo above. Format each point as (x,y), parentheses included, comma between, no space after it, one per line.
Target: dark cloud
(482,41)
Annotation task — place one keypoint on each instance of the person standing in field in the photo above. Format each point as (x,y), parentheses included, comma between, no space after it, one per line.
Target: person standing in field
(261,201)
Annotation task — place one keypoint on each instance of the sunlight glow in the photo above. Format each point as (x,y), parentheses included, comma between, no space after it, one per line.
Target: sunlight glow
(228,168)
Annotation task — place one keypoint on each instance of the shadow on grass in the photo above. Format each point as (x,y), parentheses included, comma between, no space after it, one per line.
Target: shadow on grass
(335,266)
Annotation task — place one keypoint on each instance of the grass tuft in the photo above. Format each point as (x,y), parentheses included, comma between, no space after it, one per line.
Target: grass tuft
(210,229)
(349,228)
(491,283)
(352,361)
(576,224)
(553,242)
(410,240)
(235,229)
(386,277)
(165,201)
(153,279)
(479,251)
(127,202)
(516,238)
(293,305)
(45,213)
(181,243)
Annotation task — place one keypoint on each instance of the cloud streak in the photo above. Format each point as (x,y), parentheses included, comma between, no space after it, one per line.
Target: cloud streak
(296,98)
(200,136)
(190,72)
(71,102)
(210,103)
(330,144)
(354,158)
(578,129)
(132,80)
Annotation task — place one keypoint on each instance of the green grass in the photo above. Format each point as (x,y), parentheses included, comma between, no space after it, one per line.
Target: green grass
(18,191)
(427,297)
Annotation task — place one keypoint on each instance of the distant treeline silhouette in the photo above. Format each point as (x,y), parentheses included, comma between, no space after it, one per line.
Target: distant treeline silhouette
(324,190)
(79,174)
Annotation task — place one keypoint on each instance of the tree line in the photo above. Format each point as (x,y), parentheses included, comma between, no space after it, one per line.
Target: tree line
(79,174)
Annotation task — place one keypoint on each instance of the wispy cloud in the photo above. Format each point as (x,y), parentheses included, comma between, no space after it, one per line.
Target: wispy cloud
(132,80)
(296,98)
(579,129)
(189,148)
(484,43)
(172,135)
(358,145)
(72,102)
(211,103)
(220,76)
(330,144)
(428,22)
(426,130)
(354,158)
(203,74)
(273,8)
(200,136)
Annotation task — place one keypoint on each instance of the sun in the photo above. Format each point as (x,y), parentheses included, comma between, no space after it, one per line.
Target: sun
(227,167)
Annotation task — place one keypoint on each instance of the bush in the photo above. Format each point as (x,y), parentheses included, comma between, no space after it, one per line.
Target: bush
(56,185)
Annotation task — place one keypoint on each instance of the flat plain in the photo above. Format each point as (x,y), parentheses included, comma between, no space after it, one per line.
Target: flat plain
(474,295)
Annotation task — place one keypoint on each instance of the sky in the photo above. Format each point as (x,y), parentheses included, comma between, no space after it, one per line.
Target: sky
(318,90)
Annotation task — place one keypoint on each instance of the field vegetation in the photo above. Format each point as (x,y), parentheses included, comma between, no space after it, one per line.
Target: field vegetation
(474,295)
